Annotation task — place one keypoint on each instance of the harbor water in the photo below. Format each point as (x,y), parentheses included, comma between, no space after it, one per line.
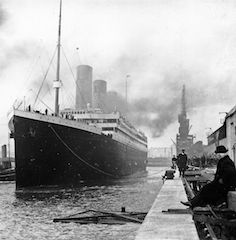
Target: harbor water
(29,215)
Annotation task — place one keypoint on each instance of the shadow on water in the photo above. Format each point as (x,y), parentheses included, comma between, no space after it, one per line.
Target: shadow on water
(65,192)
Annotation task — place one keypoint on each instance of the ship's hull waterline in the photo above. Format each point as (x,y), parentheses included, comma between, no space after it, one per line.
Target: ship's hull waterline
(48,153)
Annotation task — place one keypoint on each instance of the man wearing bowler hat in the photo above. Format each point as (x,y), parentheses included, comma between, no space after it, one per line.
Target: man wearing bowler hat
(215,192)
(182,161)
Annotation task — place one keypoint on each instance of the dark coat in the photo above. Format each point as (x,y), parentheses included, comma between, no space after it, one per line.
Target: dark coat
(182,161)
(227,172)
(216,192)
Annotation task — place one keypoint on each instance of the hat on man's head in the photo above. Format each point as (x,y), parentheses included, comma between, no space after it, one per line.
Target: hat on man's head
(221,149)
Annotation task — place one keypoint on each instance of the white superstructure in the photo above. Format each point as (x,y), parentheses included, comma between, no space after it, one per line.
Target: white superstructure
(112,124)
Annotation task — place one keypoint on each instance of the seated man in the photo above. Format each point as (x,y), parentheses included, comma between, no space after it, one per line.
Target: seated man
(216,191)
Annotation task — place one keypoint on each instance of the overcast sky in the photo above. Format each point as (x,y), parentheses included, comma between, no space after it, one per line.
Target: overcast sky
(160,44)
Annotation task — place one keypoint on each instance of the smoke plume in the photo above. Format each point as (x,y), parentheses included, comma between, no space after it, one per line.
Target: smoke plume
(3,15)
(12,54)
(162,104)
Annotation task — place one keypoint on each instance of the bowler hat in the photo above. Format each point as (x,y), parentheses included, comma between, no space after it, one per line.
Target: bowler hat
(221,149)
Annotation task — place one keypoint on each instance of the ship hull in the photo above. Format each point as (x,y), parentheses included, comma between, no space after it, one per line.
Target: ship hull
(48,153)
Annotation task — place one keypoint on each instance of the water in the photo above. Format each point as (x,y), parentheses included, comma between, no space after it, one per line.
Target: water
(30,215)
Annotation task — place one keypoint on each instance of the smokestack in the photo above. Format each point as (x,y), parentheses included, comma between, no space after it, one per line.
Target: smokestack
(4,151)
(99,94)
(83,86)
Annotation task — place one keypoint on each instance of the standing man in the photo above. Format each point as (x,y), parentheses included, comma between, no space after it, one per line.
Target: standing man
(182,162)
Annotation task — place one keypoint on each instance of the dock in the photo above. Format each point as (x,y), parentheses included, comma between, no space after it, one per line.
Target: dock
(161,222)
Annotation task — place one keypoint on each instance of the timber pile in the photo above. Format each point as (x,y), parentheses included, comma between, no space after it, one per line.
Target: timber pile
(218,222)
(7,175)
(102,217)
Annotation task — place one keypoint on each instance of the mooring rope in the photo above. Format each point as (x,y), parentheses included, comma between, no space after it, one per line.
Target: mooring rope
(81,159)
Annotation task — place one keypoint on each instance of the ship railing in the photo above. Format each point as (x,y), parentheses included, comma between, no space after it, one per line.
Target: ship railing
(132,143)
(131,136)
(131,130)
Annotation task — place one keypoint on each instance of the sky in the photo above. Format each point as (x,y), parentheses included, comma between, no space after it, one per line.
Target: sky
(160,44)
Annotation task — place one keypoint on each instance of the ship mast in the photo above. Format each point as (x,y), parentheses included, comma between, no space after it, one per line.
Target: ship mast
(57,81)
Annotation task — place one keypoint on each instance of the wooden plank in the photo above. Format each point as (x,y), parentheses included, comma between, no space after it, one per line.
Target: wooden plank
(204,210)
(214,221)
(131,219)
(211,232)
(197,179)
(192,173)
(178,211)
(102,216)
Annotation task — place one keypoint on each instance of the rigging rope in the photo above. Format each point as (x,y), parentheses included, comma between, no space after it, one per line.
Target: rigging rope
(43,102)
(44,77)
(81,93)
(31,71)
(67,98)
(45,105)
(81,159)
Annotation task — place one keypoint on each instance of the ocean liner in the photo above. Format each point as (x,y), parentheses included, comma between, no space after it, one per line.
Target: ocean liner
(74,145)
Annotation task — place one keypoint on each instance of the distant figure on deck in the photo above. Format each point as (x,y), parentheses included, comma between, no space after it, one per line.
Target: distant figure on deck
(174,162)
(182,162)
(215,192)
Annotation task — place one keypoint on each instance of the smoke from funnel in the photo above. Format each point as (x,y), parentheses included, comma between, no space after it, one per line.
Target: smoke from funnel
(115,102)
(3,15)
(161,106)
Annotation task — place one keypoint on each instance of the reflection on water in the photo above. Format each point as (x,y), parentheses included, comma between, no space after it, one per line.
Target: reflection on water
(29,215)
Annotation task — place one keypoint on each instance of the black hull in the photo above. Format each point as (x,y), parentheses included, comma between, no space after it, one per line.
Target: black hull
(55,154)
